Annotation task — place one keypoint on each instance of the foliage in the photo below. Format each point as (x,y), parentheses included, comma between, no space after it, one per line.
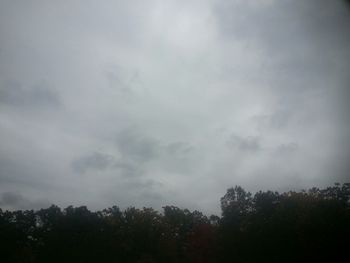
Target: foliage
(311,225)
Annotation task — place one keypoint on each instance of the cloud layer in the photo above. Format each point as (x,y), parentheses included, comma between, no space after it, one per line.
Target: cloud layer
(150,103)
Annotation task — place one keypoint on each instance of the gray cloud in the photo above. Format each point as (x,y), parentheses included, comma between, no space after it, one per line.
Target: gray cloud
(19,171)
(11,200)
(277,120)
(245,144)
(287,148)
(122,80)
(129,169)
(158,102)
(137,147)
(282,24)
(34,97)
(95,161)
(179,148)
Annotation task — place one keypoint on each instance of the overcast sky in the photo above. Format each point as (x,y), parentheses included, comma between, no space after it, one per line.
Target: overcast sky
(152,103)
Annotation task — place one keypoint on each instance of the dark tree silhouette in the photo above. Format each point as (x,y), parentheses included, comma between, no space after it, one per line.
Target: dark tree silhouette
(312,226)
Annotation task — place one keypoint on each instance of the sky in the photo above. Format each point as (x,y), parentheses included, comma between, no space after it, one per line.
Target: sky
(164,102)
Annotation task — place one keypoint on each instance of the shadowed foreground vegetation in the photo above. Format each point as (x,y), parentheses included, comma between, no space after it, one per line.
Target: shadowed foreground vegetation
(307,226)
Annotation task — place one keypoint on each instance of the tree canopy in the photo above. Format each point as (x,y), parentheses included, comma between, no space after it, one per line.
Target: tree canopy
(268,226)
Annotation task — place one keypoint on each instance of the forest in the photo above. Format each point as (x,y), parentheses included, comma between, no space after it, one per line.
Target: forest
(297,226)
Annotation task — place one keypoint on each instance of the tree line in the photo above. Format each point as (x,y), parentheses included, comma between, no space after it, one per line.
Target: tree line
(311,225)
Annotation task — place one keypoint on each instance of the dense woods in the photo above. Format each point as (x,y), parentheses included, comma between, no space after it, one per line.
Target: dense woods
(310,225)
